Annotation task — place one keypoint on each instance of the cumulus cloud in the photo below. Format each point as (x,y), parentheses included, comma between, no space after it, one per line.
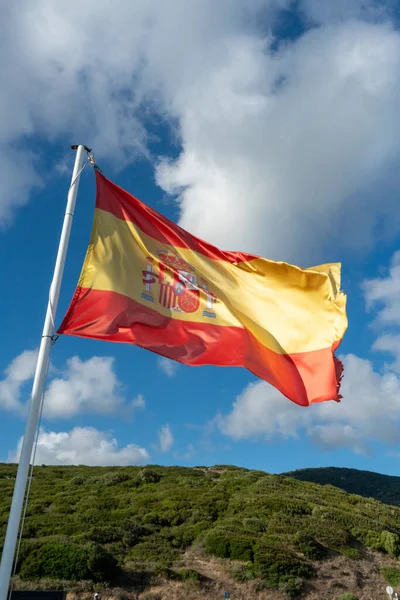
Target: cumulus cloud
(369,412)
(18,177)
(89,386)
(273,140)
(19,371)
(82,446)
(390,344)
(383,293)
(168,367)
(82,386)
(102,88)
(165,438)
(138,403)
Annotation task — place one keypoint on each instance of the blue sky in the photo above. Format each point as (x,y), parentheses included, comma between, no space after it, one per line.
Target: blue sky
(269,127)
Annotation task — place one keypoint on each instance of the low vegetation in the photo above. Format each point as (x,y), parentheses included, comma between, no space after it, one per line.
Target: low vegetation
(385,488)
(126,526)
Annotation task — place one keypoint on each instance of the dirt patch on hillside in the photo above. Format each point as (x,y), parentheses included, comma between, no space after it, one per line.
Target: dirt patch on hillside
(336,576)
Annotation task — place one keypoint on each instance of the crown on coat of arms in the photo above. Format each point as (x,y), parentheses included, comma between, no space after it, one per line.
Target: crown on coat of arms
(174,262)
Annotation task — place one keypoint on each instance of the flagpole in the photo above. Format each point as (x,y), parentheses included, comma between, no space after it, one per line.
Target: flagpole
(14,519)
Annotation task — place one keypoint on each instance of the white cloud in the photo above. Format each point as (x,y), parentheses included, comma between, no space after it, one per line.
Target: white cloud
(83,446)
(369,412)
(384,292)
(19,371)
(138,403)
(166,438)
(383,295)
(168,367)
(103,87)
(18,177)
(83,386)
(389,343)
(273,143)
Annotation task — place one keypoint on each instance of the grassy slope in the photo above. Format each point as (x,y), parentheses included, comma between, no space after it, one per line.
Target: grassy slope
(178,529)
(384,488)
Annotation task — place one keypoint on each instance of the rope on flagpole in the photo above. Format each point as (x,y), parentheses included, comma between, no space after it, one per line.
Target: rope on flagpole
(30,478)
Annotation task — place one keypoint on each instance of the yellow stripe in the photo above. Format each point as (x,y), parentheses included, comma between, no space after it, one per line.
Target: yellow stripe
(287,308)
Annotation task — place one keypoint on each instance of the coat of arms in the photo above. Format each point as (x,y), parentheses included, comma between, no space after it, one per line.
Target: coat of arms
(179,287)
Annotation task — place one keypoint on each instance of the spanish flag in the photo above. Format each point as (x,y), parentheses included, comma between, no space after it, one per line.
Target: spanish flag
(146,281)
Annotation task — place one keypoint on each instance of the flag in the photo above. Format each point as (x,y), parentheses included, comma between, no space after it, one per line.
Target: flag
(148,282)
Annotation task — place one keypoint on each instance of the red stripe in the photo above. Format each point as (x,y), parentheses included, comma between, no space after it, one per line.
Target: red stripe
(113,199)
(303,378)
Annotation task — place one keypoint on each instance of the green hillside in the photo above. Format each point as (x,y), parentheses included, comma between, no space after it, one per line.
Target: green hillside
(203,529)
(384,488)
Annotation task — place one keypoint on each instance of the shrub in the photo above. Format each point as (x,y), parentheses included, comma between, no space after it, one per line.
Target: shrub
(118,551)
(354,499)
(242,573)
(305,543)
(254,524)
(330,534)
(102,565)
(391,575)
(62,508)
(389,542)
(77,480)
(110,479)
(132,533)
(370,538)
(200,527)
(348,596)
(68,561)
(29,531)
(148,476)
(155,551)
(182,536)
(224,544)
(241,549)
(352,553)
(104,535)
(277,565)
(188,575)
(292,587)
(217,544)
(55,561)
(157,519)
(386,541)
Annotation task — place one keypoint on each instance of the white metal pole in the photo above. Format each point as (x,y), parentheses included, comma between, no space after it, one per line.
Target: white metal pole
(10,542)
